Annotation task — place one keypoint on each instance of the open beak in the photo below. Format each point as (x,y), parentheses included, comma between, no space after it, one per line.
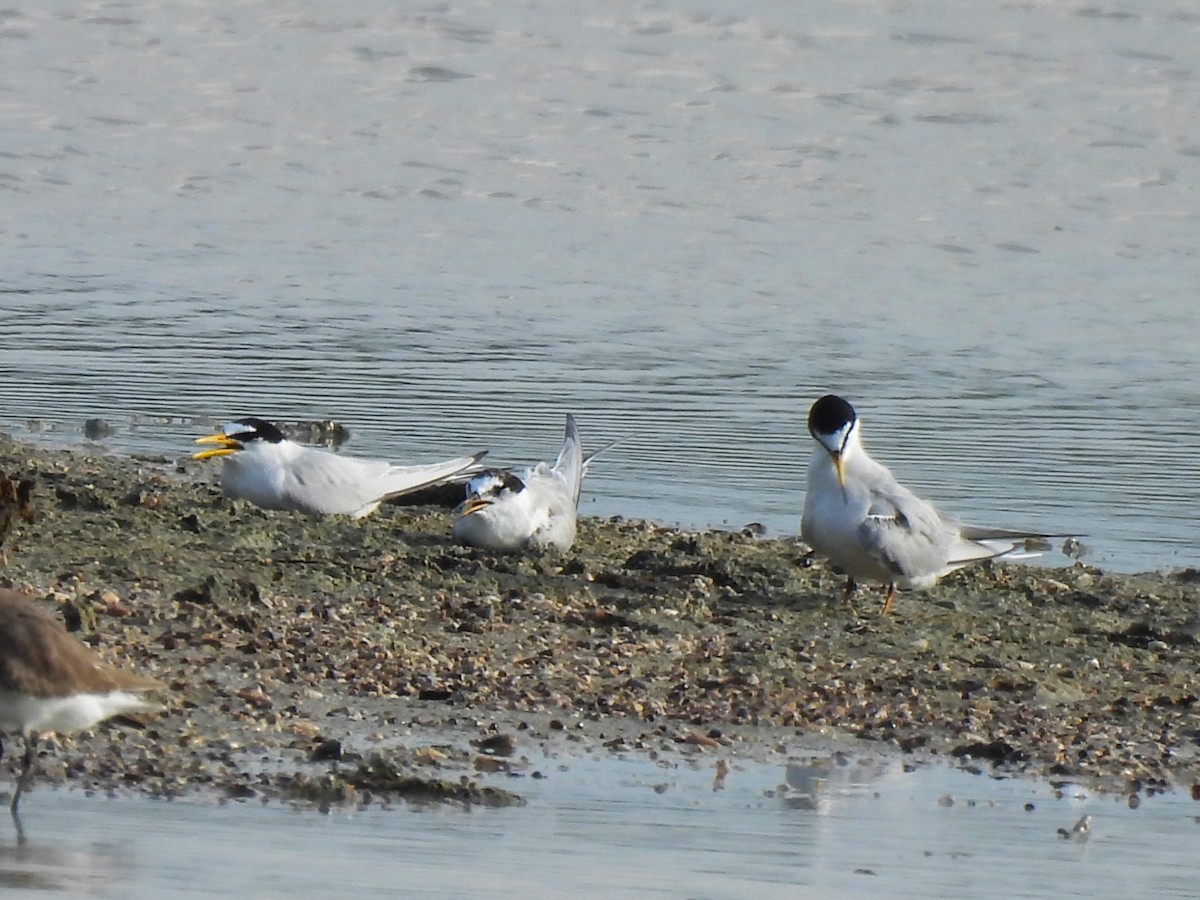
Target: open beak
(472,505)
(226,446)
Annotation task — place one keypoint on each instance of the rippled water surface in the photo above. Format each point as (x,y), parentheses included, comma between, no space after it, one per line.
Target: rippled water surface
(448,224)
(819,827)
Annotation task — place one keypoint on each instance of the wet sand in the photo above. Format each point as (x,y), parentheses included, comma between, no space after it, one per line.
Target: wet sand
(354,661)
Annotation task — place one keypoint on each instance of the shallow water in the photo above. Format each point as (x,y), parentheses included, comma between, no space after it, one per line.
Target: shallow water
(447,225)
(631,828)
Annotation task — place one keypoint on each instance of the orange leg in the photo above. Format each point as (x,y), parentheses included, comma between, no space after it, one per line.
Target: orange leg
(889,600)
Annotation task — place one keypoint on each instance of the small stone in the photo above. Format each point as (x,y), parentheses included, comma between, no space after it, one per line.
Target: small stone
(496,745)
(489,764)
(328,750)
(95,429)
(255,696)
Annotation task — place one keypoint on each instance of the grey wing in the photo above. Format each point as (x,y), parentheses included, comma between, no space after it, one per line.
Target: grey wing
(570,464)
(904,533)
(325,484)
(399,480)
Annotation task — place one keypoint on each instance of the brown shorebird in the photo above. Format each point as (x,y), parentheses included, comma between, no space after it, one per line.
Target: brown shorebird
(50,681)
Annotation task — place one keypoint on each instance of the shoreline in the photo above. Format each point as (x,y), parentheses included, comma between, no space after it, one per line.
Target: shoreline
(313,643)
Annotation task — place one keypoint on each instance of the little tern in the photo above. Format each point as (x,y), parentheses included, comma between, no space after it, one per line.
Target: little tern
(264,467)
(868,524)
(506,511)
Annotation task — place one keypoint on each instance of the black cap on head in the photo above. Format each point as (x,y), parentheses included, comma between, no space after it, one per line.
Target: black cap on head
(512,483)
(494,482)
(830,414)
(251,429)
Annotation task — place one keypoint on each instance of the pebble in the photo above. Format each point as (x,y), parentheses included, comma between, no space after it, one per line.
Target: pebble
(274,630)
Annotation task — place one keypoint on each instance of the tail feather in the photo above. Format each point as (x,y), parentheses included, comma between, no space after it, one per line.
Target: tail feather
(587,460)
(980,533)
(964,552)
(977,543)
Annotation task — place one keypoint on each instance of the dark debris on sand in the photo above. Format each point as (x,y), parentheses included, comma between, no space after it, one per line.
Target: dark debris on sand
(308,657)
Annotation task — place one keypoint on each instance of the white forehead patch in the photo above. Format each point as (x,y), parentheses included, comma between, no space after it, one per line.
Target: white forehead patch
(485,483)
(233,428)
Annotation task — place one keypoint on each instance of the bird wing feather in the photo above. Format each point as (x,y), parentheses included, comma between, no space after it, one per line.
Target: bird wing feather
(570,465)
(903,532)
(325,483)
(37,655)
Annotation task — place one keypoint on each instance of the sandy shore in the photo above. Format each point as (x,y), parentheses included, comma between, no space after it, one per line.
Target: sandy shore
(331,659)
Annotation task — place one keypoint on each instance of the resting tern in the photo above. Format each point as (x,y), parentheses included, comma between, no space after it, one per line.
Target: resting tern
(870,525)
(264,467)
(507,511)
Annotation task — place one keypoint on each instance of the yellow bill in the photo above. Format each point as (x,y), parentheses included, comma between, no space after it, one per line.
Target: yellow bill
(840,469)
(227,445)
(473,505)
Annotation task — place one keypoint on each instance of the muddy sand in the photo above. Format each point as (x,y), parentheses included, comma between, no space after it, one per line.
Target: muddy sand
(333,660)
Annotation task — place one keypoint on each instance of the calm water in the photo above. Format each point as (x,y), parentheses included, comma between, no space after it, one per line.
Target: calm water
(610,828)
(447,224)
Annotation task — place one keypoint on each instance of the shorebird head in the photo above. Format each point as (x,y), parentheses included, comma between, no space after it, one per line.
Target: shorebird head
(486,488)
(236,435)
(833,423)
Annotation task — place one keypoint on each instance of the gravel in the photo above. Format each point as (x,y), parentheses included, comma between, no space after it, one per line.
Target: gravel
(323,661)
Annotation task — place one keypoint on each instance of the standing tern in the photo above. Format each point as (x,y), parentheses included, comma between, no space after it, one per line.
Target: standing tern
(264,467)
(507,511)
(872,527)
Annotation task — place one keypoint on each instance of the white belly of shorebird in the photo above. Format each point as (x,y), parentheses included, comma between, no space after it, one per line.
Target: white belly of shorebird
(73,712)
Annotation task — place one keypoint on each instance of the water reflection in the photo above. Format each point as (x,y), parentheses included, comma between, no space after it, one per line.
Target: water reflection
(811,784)
(805,824)
(48,862)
